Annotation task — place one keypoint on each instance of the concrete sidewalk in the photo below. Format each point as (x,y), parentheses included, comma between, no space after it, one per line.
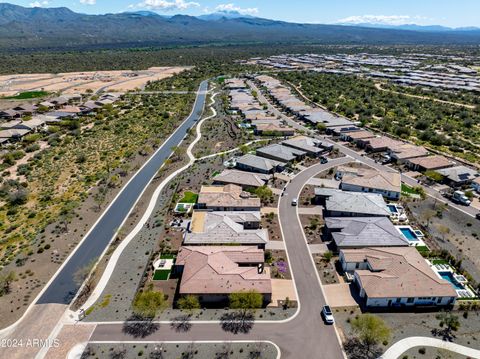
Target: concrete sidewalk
(400,347)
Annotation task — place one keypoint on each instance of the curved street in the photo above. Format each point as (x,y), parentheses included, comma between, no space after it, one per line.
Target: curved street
(305,335)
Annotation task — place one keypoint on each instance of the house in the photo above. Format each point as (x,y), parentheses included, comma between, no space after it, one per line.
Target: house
(281,153)
(227,198)
(403,153)
(89,106)
(272,129)
(235,84)
(388,184)
(13,134)
(212,273)
(356,136)
(457,176)
(46,104)
(226,228)
(10,114)
(10,124)
(259,164)
(381,144)
(26,109)
(396,277)
(246,180)
(35,124)
(310,146)
(429,163)
(350,204)
(361,232)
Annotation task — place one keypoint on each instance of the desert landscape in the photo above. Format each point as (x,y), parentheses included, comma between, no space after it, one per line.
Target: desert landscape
(79,82)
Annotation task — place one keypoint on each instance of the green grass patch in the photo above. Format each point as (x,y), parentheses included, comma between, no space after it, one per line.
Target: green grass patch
(216,173)
(27,95)
(407,189)
(106,301)
(167,256)
(189,197)
(90,310)
(423,249)
(161,274)
(439,261)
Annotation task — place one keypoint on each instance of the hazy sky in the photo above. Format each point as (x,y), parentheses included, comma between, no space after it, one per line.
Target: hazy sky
(454,13)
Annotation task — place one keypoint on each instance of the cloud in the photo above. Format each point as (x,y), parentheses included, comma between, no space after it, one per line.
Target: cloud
(226,8)
(38,3)
(381,19)
(166,5)
(88,2)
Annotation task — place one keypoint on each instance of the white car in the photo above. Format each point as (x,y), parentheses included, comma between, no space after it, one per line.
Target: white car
(327,315)
(294,202)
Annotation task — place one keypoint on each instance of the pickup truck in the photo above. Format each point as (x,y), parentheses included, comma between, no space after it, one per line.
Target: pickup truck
(458,197)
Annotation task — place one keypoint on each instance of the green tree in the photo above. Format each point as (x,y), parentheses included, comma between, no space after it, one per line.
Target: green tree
(188,303)
(264,193)
(149,303)
(246,300)
(370,330)
(6,282)
(449,322)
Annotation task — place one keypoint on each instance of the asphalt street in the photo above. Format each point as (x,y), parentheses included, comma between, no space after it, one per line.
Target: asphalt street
(306,335)
(63,287)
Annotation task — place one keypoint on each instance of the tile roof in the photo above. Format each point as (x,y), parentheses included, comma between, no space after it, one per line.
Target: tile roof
(278,151)
(397,272)
(370,178)
(216,270)
(225,228)
(258,162)
(353,202)
(364,232)
(227,196)
(242,178)
(458,173)
(432,162)
(304,143)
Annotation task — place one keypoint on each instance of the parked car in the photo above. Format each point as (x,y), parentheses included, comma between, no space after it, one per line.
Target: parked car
(327,315)
(294,202)
(323,160)
(477,216)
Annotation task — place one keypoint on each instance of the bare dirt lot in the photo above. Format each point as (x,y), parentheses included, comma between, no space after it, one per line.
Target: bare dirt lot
(75,82)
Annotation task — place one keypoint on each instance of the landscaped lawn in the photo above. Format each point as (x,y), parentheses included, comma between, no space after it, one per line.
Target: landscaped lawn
(161,274)
(407,189)
(189,197)
(439,261)
(27,95)
(167,256)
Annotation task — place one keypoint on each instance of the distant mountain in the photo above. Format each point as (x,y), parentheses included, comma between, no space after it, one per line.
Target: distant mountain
(223,15)
(414,27)
(60,28)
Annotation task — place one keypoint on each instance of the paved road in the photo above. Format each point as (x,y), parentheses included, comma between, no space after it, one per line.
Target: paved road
(305,336)
(63,288)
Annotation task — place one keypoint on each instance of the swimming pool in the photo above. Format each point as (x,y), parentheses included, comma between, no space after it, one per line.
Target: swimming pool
(392,208)
(409,234)
(448,276)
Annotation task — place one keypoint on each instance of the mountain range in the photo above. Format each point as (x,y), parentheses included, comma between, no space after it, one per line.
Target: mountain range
(24,28)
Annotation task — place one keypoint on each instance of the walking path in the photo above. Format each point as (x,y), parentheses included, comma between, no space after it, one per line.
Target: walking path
(102,283)
(400,347)
(378,86)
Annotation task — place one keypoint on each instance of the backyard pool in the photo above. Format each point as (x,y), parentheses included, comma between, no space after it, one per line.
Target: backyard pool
(392,208)
(448,276)
(409,234)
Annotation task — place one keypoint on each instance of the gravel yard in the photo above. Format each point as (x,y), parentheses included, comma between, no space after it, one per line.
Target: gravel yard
(181,350)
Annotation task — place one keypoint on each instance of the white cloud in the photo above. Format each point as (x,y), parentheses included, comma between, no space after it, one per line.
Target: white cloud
(88,2)
(226,8)
(38,3)
(166,5)
(381,19)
